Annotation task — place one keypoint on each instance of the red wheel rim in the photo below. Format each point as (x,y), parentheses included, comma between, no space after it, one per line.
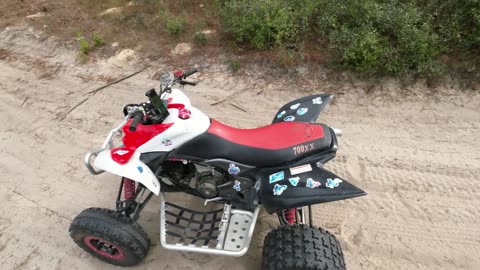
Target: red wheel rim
(103,247)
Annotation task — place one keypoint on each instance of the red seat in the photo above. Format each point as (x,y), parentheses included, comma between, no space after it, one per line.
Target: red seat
(270,145)
(276,136)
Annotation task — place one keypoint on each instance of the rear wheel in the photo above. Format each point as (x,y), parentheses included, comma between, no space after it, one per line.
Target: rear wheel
(110,236)
(301,247)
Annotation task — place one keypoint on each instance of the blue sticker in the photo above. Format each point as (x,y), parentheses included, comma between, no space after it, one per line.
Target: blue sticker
(232,169)
(257,186)
(279,176)
(237,186)
(333,183)
(312,184)
(317,100)
(289,118)
(140,169)
(294,181)
(278,189)
(281,114)
(294,106)
(302,111)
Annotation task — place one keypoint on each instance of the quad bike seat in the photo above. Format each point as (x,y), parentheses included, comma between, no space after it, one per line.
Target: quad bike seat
(271,145)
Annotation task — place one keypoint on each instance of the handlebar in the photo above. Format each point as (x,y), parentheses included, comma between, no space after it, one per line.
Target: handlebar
(190,72)
(137,118)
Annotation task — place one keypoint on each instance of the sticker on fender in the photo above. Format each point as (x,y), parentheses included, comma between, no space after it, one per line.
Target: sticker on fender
(300,169)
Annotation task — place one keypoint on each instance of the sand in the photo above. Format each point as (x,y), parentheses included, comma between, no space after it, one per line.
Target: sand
(417,156)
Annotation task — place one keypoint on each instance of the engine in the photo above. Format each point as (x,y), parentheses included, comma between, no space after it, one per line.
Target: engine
(207,183)
(203,178)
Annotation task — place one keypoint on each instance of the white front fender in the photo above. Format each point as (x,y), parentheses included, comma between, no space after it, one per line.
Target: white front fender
(134,169)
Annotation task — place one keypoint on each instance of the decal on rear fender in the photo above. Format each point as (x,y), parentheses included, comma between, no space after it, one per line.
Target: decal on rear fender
(289,118)
(300,169)
(294,181)
(302,111)
(303,148)
(333,183)
(312,184)
(295,106)
(317,100)
(278,189)
(279,176)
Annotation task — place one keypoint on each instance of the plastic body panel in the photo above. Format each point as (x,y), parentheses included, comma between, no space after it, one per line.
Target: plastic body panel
(307,188)
(182,130)
(134,169)
(306,109)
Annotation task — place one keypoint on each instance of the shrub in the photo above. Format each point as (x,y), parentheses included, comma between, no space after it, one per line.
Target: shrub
(83,42)
(234,65)
(380,37)
(134,18)
(261,24)
(369,36)
(200,38)
(175,24)
(98,40)
(84,46)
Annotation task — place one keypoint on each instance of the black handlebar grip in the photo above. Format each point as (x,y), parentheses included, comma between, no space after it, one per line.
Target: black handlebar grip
(137,117)
(190,72)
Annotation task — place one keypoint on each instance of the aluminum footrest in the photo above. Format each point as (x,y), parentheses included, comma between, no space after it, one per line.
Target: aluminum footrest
(222,232)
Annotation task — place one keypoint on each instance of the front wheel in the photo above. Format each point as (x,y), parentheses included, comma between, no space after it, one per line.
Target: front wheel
(110,236)
(301,247)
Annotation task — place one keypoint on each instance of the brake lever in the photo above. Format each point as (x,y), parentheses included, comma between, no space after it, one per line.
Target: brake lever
(182,82)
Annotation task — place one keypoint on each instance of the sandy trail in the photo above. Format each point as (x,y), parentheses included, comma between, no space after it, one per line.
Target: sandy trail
(419,160)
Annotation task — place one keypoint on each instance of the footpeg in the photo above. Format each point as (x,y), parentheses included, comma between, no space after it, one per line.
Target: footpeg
(224,231)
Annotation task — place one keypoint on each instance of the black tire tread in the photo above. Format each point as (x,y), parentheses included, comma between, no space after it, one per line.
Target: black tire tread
(114,227)
(120,220)
(302,247)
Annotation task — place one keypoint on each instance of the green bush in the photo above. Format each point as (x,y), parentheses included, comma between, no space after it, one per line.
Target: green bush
(175,24)
(234,65)
(368,36)
(200,38)
(84,46)
(98,40)
(388,37)
(261,24)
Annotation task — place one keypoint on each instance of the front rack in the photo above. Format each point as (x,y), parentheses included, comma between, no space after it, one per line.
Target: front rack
(107,144)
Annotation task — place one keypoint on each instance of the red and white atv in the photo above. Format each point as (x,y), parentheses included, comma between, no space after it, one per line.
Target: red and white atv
(170,146)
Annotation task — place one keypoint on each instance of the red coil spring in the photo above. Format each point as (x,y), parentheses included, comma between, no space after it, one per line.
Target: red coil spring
(129,189)
(290,215)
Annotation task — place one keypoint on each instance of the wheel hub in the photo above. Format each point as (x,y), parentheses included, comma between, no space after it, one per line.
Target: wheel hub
(103,247)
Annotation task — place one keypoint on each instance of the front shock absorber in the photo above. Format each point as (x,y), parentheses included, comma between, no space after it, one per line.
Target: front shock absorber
(290,215)
(129,189)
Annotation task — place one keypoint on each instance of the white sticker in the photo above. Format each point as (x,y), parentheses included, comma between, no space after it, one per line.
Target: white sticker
(300,169)
(121,152)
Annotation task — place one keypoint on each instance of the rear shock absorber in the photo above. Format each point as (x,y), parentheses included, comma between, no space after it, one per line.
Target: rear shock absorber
(290,215)
(129,189)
